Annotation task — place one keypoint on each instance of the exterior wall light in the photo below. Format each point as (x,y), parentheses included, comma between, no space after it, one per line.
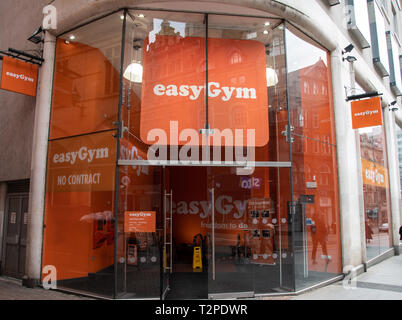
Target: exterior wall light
(36,36)
(350,59)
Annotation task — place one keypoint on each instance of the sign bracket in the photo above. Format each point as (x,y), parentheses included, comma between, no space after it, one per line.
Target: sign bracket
(22,55)
(363,96)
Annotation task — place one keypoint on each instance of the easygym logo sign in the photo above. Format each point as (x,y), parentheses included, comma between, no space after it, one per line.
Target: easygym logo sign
(175,88)
(21,76)
(85,163)
(193,92)
(83,154)
(374,174)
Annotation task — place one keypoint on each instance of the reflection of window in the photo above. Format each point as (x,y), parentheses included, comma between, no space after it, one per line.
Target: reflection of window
(235,58)
(315,89)
(317,144)
(306,87)
(315,121)
(324,175)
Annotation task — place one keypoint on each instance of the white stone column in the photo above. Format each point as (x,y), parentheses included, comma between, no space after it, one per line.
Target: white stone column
(348,175)
(38,165)
(394,180)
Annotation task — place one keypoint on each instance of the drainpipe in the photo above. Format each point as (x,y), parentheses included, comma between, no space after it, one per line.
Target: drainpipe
(348,176)
(38,166)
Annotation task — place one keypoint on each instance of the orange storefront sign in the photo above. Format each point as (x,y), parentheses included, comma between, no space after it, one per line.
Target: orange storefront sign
(366,113)
(174,87)
(139,221)
(374,174)
(18,76)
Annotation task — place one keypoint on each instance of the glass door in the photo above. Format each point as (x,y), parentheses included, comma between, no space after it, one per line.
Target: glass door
(231,271)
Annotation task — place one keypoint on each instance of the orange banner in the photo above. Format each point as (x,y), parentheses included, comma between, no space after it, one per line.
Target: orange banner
(174,89)
(374,174)
(18,76)
(84,163)
(139,221)
(366,113)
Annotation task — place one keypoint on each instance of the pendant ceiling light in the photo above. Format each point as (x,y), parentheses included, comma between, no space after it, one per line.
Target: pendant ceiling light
(133,72)
(272,77)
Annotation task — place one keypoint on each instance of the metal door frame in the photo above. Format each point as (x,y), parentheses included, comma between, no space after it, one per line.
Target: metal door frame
(9,196)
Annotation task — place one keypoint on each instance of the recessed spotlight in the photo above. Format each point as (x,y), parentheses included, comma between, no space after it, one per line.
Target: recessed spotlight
(265,32)
(267,23)
(141,15)
(72,37)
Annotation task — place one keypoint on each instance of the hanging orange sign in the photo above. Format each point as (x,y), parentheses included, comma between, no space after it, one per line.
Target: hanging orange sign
(366,113)
(140,221)
(374,174)
(18,76)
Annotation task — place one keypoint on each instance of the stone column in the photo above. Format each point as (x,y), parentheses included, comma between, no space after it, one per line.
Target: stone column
(38,165)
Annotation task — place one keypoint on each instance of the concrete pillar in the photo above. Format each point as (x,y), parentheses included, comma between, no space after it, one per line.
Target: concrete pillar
(348,175)
(38,165)
(394,180)
(3,195)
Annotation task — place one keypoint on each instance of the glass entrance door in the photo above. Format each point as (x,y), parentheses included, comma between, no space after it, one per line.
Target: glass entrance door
(230,271)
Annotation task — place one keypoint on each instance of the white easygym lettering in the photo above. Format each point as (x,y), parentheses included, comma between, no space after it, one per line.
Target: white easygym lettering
(214,91)
(19,76)
(83,154)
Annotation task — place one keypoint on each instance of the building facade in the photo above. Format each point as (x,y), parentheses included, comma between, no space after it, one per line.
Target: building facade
(204,143)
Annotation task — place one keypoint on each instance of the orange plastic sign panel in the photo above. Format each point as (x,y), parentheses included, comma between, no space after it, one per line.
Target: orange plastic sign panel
(83,163)
(174,89)
(140,221)
(366,113)
(19,76)
(374,174)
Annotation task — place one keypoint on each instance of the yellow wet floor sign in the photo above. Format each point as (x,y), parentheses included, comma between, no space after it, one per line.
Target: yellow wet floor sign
(197,260)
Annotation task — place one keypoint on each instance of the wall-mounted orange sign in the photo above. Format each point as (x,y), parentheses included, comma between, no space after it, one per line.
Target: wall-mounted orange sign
(374,174)
(366,113)
(174,88)
(18,76)
(139,221)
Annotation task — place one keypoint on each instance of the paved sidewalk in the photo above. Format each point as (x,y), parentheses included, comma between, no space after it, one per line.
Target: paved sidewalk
(11,289)
(381,282)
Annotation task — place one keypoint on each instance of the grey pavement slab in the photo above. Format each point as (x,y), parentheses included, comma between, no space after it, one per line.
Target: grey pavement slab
(382,281)
(11,289)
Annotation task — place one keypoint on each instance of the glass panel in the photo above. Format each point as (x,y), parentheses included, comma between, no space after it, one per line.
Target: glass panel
(248,228)
(247,88)
(140,232)
(164,83)
(277,276)
(79,233)
(87,79)
(237,236)
(317,247)
(80,183)
(378,225)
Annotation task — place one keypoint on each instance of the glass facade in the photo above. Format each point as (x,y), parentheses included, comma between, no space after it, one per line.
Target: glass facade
(191,155)
(377,211)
